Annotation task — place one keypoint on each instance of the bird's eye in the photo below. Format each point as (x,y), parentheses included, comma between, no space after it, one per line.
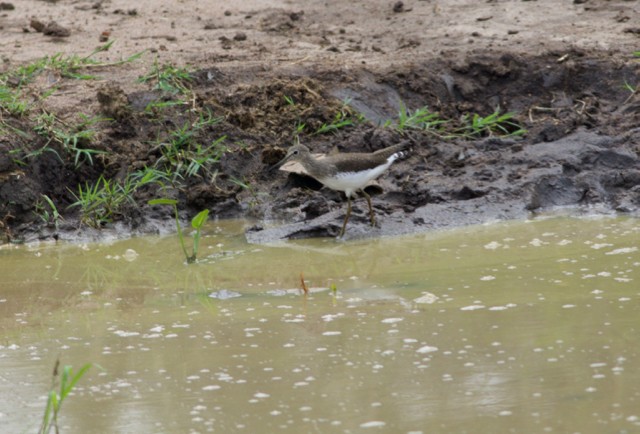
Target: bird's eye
(295,152)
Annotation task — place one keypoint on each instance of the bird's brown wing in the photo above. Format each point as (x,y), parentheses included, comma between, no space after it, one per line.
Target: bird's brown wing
(354,162)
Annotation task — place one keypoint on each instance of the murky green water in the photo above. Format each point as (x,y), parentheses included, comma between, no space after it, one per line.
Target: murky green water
(519,327)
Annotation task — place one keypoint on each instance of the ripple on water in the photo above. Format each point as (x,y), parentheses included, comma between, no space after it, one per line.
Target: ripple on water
(224,294)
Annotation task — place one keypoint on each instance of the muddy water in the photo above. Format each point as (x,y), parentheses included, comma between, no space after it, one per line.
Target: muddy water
(518,327)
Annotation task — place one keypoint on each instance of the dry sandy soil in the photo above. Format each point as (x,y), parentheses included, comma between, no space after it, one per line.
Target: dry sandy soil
(268,67)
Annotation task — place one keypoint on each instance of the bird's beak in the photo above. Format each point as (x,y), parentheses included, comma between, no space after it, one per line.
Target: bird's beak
(280,163)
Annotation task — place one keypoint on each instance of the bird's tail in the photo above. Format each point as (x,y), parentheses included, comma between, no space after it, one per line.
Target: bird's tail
(400,150)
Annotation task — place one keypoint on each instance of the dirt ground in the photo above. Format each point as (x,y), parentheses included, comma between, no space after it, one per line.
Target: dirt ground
(277,71)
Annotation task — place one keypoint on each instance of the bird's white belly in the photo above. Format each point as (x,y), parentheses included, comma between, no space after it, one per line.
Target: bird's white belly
(349,182)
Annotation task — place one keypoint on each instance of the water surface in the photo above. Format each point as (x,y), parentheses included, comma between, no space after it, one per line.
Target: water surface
(514,327)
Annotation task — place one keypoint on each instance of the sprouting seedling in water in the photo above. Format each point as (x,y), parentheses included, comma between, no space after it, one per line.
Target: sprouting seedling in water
(196,223)
(334,292)
(305,289)
(68,379)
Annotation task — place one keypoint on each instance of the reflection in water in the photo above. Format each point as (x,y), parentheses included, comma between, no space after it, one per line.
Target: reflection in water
(528,327)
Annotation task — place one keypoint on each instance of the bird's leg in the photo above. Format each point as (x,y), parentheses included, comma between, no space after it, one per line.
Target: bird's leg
(371,215)
(346,218)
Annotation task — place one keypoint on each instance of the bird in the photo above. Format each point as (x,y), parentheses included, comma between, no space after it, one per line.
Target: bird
(346,172)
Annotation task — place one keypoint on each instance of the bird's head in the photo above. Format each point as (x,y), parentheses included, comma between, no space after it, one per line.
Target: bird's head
(295,153)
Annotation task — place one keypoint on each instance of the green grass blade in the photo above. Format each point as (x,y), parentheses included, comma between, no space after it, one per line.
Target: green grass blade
(163,201)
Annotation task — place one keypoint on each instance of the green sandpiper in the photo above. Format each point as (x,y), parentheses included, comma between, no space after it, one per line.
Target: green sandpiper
(346,172)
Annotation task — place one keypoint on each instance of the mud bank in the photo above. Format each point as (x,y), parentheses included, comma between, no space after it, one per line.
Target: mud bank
(332,91)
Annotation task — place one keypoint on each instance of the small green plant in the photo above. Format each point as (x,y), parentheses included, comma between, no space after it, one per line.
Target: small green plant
(168,78)
(334,292)
(300,127)
(633,91)
(67,66)
(151,175)
(12,102)
(420,119)
(68,380)
(289,101)
(185,155)
(340,120)
(47,211)
(196,223)
(344,117)
(99,202)
(496,123)
(246,185)
(74,139)
(103,201)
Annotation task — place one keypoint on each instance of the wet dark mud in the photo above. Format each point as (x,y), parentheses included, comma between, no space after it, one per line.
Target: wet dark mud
(580,150)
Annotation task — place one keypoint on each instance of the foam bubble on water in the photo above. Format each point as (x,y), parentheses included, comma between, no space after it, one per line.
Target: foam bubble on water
(473,307)
(426,349)
(151,335)
(332,333)
(487,278)
(599,246)
(125,334)
(391,320)
(211,387)
(261,395)
(568,306)
(426,298)
(622,251)
(373,424)
(130,255)
(492,245)
(330,317)
(505,413)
